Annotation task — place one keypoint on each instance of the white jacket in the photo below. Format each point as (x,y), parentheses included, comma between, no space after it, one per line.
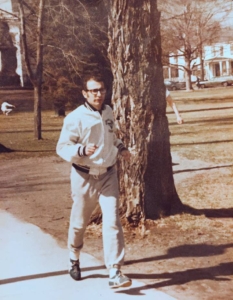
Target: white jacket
(6,105)
(85,125)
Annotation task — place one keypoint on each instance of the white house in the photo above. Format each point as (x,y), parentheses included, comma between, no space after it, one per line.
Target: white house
(218,61)
(175,71)
(12,67)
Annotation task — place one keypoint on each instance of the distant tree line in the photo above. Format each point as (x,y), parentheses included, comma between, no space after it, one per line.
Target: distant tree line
(75,38)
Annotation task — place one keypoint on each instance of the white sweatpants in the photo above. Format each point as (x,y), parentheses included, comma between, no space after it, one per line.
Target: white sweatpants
(7,111)
(86,192)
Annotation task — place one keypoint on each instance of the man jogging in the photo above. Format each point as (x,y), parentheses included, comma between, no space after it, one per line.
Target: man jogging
(174,107)
(88,142)
(7,108)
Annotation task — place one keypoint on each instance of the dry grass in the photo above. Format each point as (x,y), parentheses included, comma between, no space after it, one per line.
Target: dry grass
(207,133)
(17,133)
(204,181)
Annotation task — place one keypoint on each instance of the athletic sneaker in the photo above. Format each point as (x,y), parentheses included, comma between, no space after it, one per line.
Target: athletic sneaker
(75,271)
(119,280)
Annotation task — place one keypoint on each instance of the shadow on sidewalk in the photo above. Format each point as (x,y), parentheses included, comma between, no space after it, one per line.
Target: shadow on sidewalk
(215,273)
(49,274)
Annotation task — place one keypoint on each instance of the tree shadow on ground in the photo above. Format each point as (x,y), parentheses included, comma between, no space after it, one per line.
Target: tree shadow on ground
(195,250)
(31,131)
(216,273)
(208,212)
(203,121)
(181,277)
(52,150)
(200,169)
(205,109)
(4,149)
(202,143)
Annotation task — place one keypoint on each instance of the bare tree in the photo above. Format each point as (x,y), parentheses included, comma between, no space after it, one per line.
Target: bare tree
(60,38)
(75,39)
(35,71)
(147,185)
(188,27)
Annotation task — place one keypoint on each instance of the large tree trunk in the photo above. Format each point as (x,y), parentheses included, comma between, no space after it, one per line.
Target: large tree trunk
(146,183)
(202,63)
(188,72)
(37,112)
(36,75)
(39,72)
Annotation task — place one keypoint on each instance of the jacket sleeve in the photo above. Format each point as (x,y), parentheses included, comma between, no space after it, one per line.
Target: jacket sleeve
(68,146)
(117,142)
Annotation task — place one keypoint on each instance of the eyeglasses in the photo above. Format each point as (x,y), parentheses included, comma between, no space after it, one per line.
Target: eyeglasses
(95,91)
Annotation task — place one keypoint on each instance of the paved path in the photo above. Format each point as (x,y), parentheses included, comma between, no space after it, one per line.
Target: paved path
(34,266)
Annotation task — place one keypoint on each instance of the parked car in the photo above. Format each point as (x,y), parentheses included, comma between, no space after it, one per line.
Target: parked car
(216,81)
(174,85)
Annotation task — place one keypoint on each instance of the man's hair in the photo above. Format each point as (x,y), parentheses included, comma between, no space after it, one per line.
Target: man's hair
(91,75)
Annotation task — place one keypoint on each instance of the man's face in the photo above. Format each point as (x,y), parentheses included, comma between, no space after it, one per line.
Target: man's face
(95,93)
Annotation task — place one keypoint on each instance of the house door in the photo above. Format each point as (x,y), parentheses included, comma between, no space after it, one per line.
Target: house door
(231,68)
(216,70)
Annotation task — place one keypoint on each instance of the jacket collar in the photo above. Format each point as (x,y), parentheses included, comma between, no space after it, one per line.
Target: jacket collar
(90,107)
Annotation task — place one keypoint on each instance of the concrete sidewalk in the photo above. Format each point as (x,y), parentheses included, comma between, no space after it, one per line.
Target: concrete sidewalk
(34,266)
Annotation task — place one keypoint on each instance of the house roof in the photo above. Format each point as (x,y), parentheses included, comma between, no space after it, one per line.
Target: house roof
(218,58)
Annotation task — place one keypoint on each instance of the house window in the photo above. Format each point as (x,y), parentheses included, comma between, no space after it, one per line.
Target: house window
(216,69)
(231,67)
(174,72)
(221,51)
(213,51)
(165,72)
(224,68)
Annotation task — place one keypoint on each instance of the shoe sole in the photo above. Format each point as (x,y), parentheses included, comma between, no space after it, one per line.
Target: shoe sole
(75,278)
(124,284)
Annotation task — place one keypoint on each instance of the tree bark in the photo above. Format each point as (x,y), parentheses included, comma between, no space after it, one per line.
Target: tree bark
(146,183)
(35,75)
(188,72)
(202,62)
(39,73)
(37,112)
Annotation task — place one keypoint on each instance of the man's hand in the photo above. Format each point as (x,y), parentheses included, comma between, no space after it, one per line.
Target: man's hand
(90,149)
(179,120)
(126,155)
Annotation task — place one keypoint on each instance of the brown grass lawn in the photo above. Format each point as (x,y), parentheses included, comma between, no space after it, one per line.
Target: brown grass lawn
(188,255)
